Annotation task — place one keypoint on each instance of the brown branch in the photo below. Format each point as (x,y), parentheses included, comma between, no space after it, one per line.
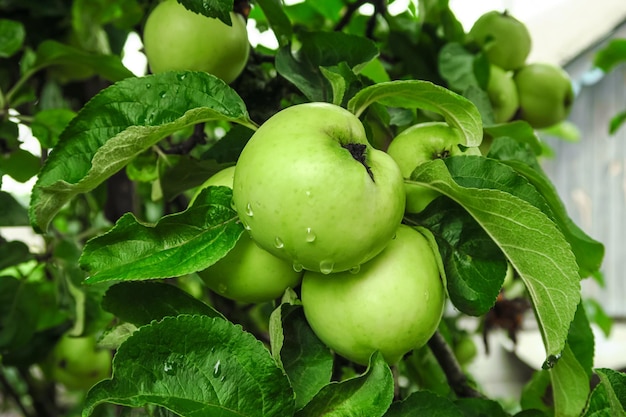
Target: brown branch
(456,377)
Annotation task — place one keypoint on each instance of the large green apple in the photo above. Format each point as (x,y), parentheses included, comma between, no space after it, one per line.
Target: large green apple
(545,94)
(393,304)
(421,143)
(77,363)
(311,189)
(502,93)
(505,40)
(247,273)
(178,39)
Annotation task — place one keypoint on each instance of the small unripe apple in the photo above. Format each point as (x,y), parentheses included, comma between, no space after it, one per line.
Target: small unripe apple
(505,40)
(421,143)
(247,273)
(502,93)
(393,304)
(176,38)
(545,94)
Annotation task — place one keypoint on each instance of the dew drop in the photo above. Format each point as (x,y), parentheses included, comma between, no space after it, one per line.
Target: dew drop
(355,269)
(181,76)
(326,267)
(249,211)
(246,226)
(278,243)
(551,361)
(310,236)
(217,369)
(162,94)
(297,266)
(148,85)
(308,194)
(426,295)
(169,368)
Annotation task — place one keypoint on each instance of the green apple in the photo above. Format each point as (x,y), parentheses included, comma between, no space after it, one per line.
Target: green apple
(545,94)
(247,273)
(421,143)
(393,304)
(505,40)
(502,93)
(311,189)
(176,38)
(77,363)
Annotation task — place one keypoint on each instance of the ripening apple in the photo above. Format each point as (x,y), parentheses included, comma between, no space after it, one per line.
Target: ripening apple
(77,363)
(545,94)
(311,189)
(421,143)
(502,93)
(247,273)
(176,38)
(505,40)
(393,304)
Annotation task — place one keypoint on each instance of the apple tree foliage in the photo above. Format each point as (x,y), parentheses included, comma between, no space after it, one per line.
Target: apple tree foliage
(120,155)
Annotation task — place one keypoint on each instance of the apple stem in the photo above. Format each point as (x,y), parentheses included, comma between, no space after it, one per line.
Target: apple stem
(358,151)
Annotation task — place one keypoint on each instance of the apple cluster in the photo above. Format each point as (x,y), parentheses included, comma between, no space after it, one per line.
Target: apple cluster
(323,212)
(539,93)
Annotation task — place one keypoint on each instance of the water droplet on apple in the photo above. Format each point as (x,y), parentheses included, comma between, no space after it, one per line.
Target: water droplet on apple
(246,225)
(278,243)
(162,94)
(426,295)
(181,76)
(217,370)
(222,288)
(148,85)
(297,266)
(310,236)
(355,269)
(308,193)
(326,267)
(249,212)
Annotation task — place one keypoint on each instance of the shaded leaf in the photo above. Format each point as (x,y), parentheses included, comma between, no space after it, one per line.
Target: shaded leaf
(570,385)
(219,9)
(616,122)
(278,20)
(613,54)
(12,36)
(424,403)
(614,384)
(12,213)
(178,244)
(195,366)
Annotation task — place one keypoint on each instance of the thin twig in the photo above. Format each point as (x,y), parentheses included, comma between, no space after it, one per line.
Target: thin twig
(456,377)
(10,391)
(345,19)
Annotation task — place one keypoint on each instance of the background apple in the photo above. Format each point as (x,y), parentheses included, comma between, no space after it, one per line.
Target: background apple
(421,143)
(178,39)
(313,191)
(393,304)
(545,94)
(77,363)
(502,93)
(505,40)
(247,273)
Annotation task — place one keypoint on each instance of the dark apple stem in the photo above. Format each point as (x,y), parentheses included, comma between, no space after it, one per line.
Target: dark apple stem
(456,377)
(358,150)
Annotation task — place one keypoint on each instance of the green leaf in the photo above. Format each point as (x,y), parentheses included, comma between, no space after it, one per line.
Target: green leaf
(178,173)
(12,36)
(178,244)
(616,122)
(12,213)
(47,125)
(141,302)
(570,385)
(589,252)
(457,110)
(478,407)
(597,315)
(369,394)
(323,49)
(598,404)
(121,122)
(474,265)
(50,53)
(13,253)
(424,403)
(195,366)
(581,339)
(278,20)
(519,130)
(614,384)
(531,242)
(306,360)
(20,165)
(456,65)
(219,9)
(18,313)
(613,54)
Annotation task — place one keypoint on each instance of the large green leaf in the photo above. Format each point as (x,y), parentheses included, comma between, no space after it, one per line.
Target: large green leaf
(120,123)
(570,385)
(305,359)
(178,244)
(196,366)
(12,36)
(457,110)
(614,384)
(531,242)
(368,395)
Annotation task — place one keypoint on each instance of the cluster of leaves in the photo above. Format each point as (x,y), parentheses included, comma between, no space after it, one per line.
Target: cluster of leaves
(121,154)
